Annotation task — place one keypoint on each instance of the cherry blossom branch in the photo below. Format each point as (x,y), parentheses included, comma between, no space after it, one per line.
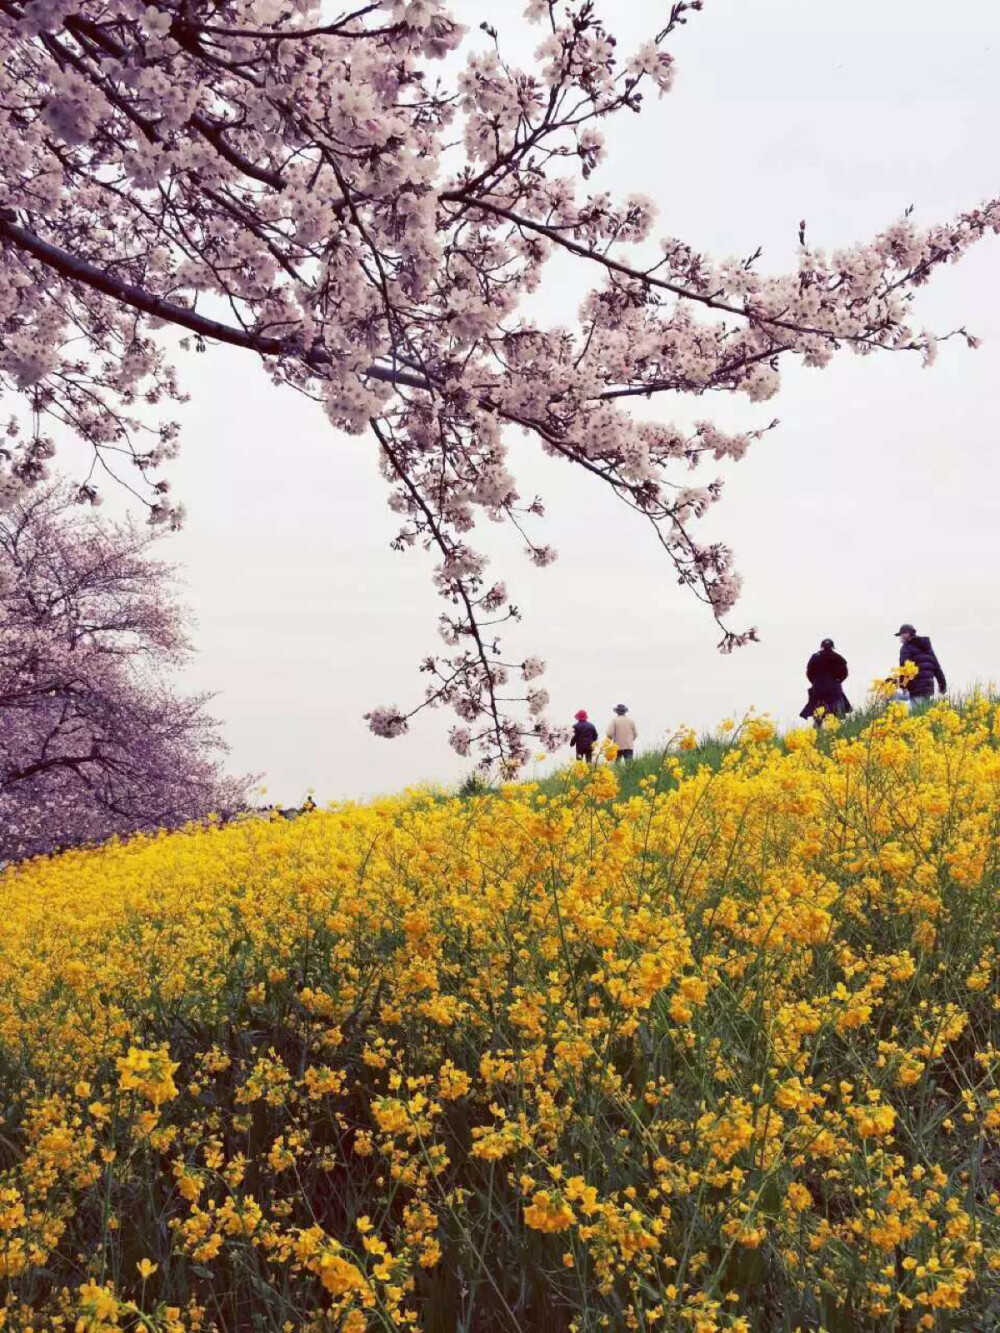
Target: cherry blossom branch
(447,550)
(647,277)
(138,298)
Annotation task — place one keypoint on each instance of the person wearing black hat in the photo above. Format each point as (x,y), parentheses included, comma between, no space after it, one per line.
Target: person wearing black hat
(826,672)
(916,648)
(622,732)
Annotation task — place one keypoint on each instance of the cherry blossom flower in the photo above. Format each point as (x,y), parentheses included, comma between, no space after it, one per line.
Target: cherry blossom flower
(387,722)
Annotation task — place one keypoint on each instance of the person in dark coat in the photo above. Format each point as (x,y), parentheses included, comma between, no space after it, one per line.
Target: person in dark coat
(916,648)
(826,672)
(584,737)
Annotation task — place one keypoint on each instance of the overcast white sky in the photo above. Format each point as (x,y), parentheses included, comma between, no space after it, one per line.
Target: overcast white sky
(875,500)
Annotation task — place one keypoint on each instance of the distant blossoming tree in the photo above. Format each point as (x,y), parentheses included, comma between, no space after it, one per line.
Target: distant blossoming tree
(93,741)
(298,182)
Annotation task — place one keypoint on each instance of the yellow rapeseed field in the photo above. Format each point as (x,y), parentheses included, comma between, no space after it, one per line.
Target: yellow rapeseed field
(720,1055)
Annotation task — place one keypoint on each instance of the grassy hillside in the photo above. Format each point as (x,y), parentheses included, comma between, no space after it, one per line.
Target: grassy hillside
(693,752)
(717,1050)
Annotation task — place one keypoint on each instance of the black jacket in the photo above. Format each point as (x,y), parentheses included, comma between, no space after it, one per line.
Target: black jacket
(826,672)
(584,737)
(922,655)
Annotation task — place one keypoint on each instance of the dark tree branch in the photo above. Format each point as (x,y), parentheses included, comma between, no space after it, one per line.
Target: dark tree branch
(127,293)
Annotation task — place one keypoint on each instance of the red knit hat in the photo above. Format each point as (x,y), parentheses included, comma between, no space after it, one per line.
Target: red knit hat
(582,715)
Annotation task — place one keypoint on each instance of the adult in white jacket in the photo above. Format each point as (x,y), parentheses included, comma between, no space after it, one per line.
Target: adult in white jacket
(622,731)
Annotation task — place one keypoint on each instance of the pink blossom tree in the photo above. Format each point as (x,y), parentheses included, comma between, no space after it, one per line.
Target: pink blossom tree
(320,191)
(93,739)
